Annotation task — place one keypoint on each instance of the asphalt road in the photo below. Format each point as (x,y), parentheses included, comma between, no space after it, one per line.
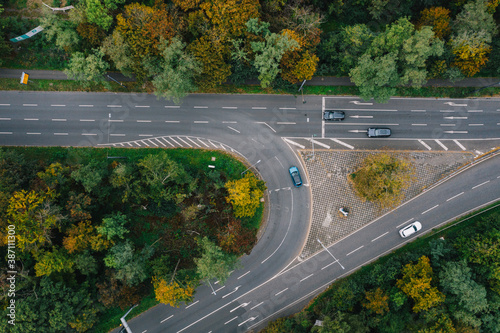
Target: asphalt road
(253,126)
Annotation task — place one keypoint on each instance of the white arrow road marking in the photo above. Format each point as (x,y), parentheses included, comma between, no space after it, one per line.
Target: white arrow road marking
(456,132)
(453,104)
(249,319)
(357,131)
(360,103)
(239,306)
(235,290)
(356,116)
(455,117)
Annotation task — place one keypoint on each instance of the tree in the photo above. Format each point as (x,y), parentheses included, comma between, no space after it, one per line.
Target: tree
(471,52)
(87,70)
(78,237)
(55,261)
(333,323)
(97,13)
(55,174)
(438,18)
(62,31)
(235,238)
(174,74)
(130,265)
(416,283)
(173,293)
(90,175)
(377,301)
(395,57)
(214,263)
(119,52)
(382,179)
(245,194)
(475,17)
(113,226)
(122,178)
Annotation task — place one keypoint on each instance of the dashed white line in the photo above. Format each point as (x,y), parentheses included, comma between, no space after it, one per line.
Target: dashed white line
(31,119)
(475,111)
(425,144)
(229,122)
(145,134)
(288,108)
(459,144)
(234,129)
(441,144)
(307,277)
(243,275)
(285,123)
(30,104)
(4,104)
(87,119)
(227,322)
(201,122)
(57,104)
(86,105)
(60,133)
(200,107)
(342,143)
(455,196)
(166,319)
(142,106)
(190,305)
(117,134)
(418,110)
(259,108)
(172,121)
(172,106)
(58,119)
(446,110)
(373,240)
(456,132)
(220,288)
(5,118)
(32,133)
(359,248)
(281,292)
(239,306)
(447,124)
(230,107)
(114,106)
(418,124)
(258,304)
(116,120)
(476,124)
(143,121)
(404,223)
(428,210)
(89,133)
(329,265)
(5,132)
(486,182)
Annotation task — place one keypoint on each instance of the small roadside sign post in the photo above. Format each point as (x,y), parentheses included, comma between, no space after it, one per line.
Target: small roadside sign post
(24,78)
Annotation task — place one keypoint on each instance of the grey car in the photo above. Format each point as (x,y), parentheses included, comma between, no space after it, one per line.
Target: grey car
(333,115)
(374,132)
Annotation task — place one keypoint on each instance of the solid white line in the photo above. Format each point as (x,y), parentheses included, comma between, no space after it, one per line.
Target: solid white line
(404,223)
(459,144)
(190,305)
(243,275)
(4,104)
(31,119)
(307,277)
(87,119)
(428,210)
(145,134)
(57,104)
(60,133)
(86,105)
(281,292)
(424,144)
(227,322)
(476,124)
(30,104)
(442,145)
(143,121)
(33,133)
(61,119)
(166,319)
(172,121)
(329,265)
(172,106)
(342,143)
(258,304)
(142,106)
(5,119)
(359,248)
(418,124)
(117,134)
(380,236)
(5,132)
(200,122)
(259,108)
(285,123)
(230,107)
(200,107)
(453,197)
(116,120)
(233,129)
(114,106)
(486,182)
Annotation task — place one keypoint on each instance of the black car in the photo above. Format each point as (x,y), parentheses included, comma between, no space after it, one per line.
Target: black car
(373,132)
(333,115)
(294,173)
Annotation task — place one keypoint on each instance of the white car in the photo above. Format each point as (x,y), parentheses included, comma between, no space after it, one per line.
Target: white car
(410,229)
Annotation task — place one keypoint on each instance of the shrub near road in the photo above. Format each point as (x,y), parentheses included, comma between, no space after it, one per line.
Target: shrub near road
(93,234)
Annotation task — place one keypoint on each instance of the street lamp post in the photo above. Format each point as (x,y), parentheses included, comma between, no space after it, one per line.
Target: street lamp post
(124,322)
(109,121)
(250,167)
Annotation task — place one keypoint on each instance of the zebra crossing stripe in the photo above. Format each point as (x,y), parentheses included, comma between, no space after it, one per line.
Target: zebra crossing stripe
(167,141)
(202,142)
(425,144)
(442,145)
(177,143)
(459,144)
(185,142)
(188,138)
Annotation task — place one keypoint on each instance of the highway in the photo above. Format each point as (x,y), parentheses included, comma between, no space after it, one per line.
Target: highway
(272,282)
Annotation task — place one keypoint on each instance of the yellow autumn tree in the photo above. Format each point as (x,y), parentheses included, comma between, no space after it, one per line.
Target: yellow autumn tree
(78,237)
(245,194)
(416,283)
(377,301)
(172,293)
(438,18)
(471,52)
(299,63)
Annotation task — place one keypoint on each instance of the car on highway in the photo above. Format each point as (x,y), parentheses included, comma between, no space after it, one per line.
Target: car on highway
(374,132)
(333,115)
(410,229)
(295,174)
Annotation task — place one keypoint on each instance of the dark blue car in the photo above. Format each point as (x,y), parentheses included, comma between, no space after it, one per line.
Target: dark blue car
(295,174)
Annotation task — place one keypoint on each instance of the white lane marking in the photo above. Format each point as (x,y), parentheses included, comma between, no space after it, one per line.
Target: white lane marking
(203,143)
(383,110)
(177,143)
(428,210)
(288,108)
(294,143)
(441,144)
(243,275)
(117,134)
(144,143)
(137,143)
(60,133)
(227,322)
(281,292)
(456,132)
(87,119)
(201,122)
(143,121)
(86,105)
(373,240)
(164,139)
(200,107)
(447,124)
(234,129)
(329,265)
(259,108)
(258,304)
(172,106)
(424,144)
(475,111)
(459,144)
(342,143)
(142,106)
(220,288)
(418,124)
(486,182)
(404,223)
(249,319)
(89,133)
(453,104)
(5,132)
(359,248)
(319,143)
(418,110)
(116,120)
(5,118)
(166,319)
(188,138)
(239,306)
(145,134)
(364,117)
(476,124)
(452,118)
(30,104)
(186,143)
(307,277)
(57,104)
(230,107)
(190,305)
(446,110)
(360,103)
(235,290)
(229,122)
(33,133)
(279,161)
(58,119)
(285,123)
(172,121)
(31,119)
(151,142)
(455,196)
(4,104)
(114,106)
(261,122)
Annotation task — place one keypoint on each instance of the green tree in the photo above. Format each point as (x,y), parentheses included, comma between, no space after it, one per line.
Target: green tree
(475,17)
(377,301)
(88,70)
(97,13)
(333,323)
(245,194)
(86,263)
(395,57)
(56,260)
(382,178)
(113,226)
(130,265)
(61,31)
(90,175)
(214,263)
(118,50)
(174,74)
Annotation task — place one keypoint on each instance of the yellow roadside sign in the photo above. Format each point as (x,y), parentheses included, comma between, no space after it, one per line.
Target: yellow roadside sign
(24,78)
